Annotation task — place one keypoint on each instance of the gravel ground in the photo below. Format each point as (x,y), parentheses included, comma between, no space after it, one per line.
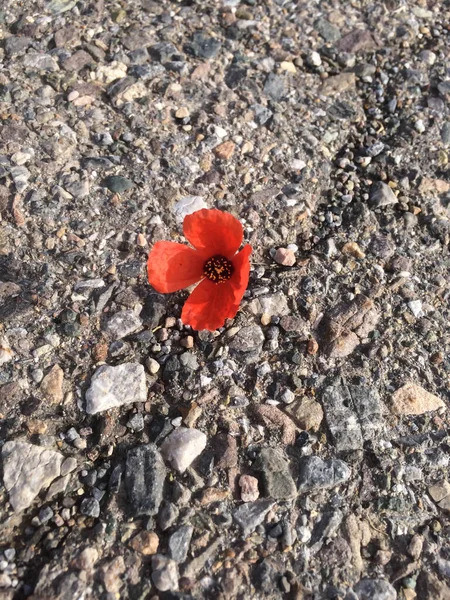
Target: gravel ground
(302,451)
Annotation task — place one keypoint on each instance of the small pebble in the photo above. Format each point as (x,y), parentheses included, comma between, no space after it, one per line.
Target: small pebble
(314,59)
(284,257)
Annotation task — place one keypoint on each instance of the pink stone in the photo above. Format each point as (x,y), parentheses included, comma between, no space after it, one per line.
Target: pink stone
(285,257)
(249,488)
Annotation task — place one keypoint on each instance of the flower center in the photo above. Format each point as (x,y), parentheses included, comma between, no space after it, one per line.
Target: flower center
(218,269)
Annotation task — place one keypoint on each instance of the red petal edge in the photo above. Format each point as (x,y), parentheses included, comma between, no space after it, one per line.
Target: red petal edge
(213,232)
(173,266)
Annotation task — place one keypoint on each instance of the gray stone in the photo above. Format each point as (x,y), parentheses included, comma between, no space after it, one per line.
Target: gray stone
(262,114)
(179,543)
(45,514)
(376,148)
(147,72)
(136,423)
(248,343)
(16,44)
(115,386)
(444,87)
(374,589)
(167,515)
(327,30)
(189,361)
(164,573)
(20,177)
(295,327)
(123,323)
(78,189)
(274,87)
(187,205)
(317,474)
(382,246)
(287,396)
(90,507)
(164,51)
(10,554)
(59,6)
(40,62)
(203,46)
(382,195)
(445,134)
(278,481)
(368,406)
(353,414)
(89,285)
(326,528)
(314,59)
(182,447)
(271,305)
(145,474)
(251,514)
(27,469)
(116,183)
(57,487)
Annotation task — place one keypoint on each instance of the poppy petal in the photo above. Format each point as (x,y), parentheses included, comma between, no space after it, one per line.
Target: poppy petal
(213,231)
(239,279)
(173,266)
(210,304)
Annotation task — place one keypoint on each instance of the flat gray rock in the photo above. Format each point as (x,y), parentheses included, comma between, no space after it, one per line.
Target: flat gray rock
(353,415)
(382,195)
(115,386)
(375,589)
(248,343)
(318,474)
(28,469)
(179,543)
(123,323)
(145,474)
(278,481)
(251,514)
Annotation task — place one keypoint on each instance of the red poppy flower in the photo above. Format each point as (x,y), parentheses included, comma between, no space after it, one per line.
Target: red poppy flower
(214,261)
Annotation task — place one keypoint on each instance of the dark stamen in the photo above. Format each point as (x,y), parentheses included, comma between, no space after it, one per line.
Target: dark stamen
(218,269)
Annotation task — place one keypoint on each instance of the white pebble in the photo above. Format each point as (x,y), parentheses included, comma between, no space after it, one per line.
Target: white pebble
(314,59)
(182,447)
(297,164)
(419,126)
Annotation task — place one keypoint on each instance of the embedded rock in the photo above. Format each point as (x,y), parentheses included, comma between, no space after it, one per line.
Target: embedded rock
(27,469)
(145,474)
(182,447)
(308,413)
(251,514)
(412,399)
(374,589)
(346,325)
(318,474)
(52,385)
(278,481)
(115,386)
(123,323)
(353,415)
(382,195)
(164,573)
